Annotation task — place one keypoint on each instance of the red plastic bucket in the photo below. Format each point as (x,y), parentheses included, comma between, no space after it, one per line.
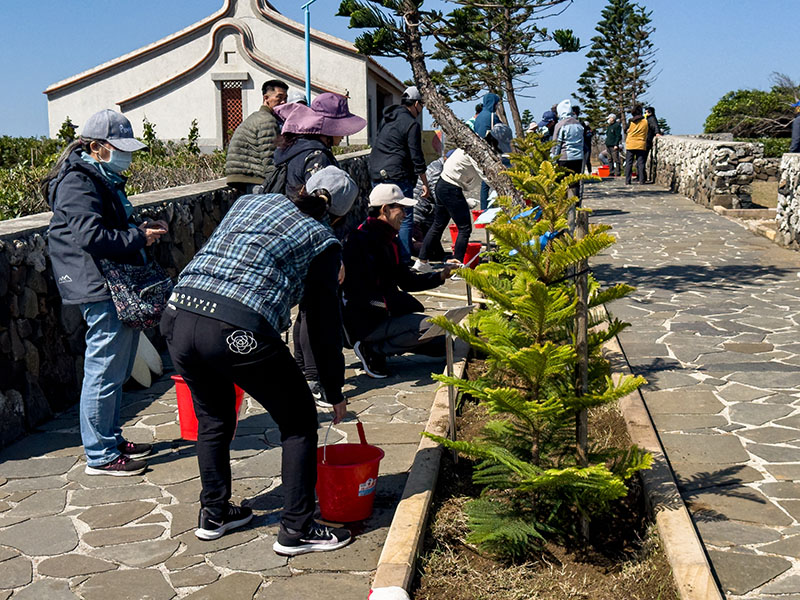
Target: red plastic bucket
(453,232)
(186,416)
(475,214)
(473,248)
(604,171)
(347,475)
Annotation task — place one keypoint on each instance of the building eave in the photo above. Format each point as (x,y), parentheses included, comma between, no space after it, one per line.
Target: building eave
(141,52)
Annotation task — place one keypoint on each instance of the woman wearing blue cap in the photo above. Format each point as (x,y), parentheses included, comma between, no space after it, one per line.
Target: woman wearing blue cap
(92,220)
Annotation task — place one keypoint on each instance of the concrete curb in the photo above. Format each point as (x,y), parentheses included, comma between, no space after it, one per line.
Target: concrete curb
(690,567)
(407,531)
(746,213)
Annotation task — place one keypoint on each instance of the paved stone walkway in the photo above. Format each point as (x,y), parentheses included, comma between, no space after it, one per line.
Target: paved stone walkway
(716,331)
(64,534)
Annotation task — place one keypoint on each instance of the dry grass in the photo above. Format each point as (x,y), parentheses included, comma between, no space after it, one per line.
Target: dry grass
(622,561)
(765,193)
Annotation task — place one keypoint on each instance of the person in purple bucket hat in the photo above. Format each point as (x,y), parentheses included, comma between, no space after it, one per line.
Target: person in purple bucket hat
(307,136)
(309,133)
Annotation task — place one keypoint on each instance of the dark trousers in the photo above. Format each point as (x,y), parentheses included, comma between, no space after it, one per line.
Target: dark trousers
(613,159)
(450,202)
(630,155)
(575,166)
(398,335)
(303,355)
(211,356)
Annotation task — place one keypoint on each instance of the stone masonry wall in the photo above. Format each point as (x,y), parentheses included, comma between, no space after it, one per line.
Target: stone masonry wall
(767,169)
(710,172)
(42,341)
(787,214)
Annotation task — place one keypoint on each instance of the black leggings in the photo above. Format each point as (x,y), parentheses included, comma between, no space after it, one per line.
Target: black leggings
(211,355)
(450,202)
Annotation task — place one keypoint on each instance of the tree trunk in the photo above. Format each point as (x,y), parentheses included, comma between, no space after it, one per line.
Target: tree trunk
(512,105)
(508,83)
(454,128)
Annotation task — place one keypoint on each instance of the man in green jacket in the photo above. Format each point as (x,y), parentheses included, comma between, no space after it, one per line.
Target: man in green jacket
(253,143)
(613,140)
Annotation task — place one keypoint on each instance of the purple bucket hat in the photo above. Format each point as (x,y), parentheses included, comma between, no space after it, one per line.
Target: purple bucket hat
(327,115)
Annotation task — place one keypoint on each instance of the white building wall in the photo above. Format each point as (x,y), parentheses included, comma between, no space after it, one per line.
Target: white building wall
(196,95)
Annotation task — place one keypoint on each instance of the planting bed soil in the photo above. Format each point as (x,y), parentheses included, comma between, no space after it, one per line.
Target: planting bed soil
(622,559)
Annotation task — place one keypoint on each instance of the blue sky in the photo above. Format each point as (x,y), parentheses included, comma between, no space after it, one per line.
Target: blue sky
(705,48)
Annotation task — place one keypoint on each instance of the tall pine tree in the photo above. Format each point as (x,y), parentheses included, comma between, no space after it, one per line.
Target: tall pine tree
(495,44)
(621,61)
(396,28)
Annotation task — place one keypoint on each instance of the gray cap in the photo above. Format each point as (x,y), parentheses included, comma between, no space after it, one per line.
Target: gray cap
(341,187)
(296,96)
(412,93)
(502,133)
(111,126)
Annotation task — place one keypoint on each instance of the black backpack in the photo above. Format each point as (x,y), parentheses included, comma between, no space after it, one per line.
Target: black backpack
(275,181)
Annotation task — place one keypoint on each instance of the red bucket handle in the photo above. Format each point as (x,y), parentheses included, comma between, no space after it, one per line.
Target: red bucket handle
(361,436)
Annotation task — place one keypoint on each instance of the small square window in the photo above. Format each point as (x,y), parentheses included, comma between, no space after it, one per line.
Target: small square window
(229,57)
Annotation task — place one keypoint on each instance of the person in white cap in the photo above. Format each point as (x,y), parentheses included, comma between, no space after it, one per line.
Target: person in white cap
(380,317)
(397,157)
(613,141)
(93,219)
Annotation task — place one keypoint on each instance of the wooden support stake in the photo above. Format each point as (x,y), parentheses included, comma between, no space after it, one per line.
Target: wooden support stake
(582,348)
(451,391)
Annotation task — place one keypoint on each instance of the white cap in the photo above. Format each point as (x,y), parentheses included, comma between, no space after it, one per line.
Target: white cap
(412,93)
(389,193)
(611,117)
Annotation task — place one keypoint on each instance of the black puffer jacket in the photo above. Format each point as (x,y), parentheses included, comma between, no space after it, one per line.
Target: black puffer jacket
(397,152)
(375,279)
(304,157)
(89,223)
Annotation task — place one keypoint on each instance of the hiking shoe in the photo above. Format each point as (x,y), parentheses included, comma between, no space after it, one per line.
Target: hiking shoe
(122,466)
(132,450)
(320,538)
(319,394)
(422,267)
(374,364)
(211,529)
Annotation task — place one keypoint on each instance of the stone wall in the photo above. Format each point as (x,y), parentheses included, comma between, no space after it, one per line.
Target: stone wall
(787,214)
(767,169)
(42,341)
(710,172)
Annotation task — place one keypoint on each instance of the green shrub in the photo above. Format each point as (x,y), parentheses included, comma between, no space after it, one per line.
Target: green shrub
(773,147)
(752,113)
(28,150)
(171,164)
(19,191)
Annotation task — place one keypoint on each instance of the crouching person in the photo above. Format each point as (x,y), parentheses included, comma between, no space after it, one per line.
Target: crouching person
(380,317)
(223,326)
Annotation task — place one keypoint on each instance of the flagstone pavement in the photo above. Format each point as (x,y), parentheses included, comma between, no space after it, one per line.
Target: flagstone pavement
(716,331)
(64,534)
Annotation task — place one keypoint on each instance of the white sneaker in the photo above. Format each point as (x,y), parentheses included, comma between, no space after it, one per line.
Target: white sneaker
(422,267)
